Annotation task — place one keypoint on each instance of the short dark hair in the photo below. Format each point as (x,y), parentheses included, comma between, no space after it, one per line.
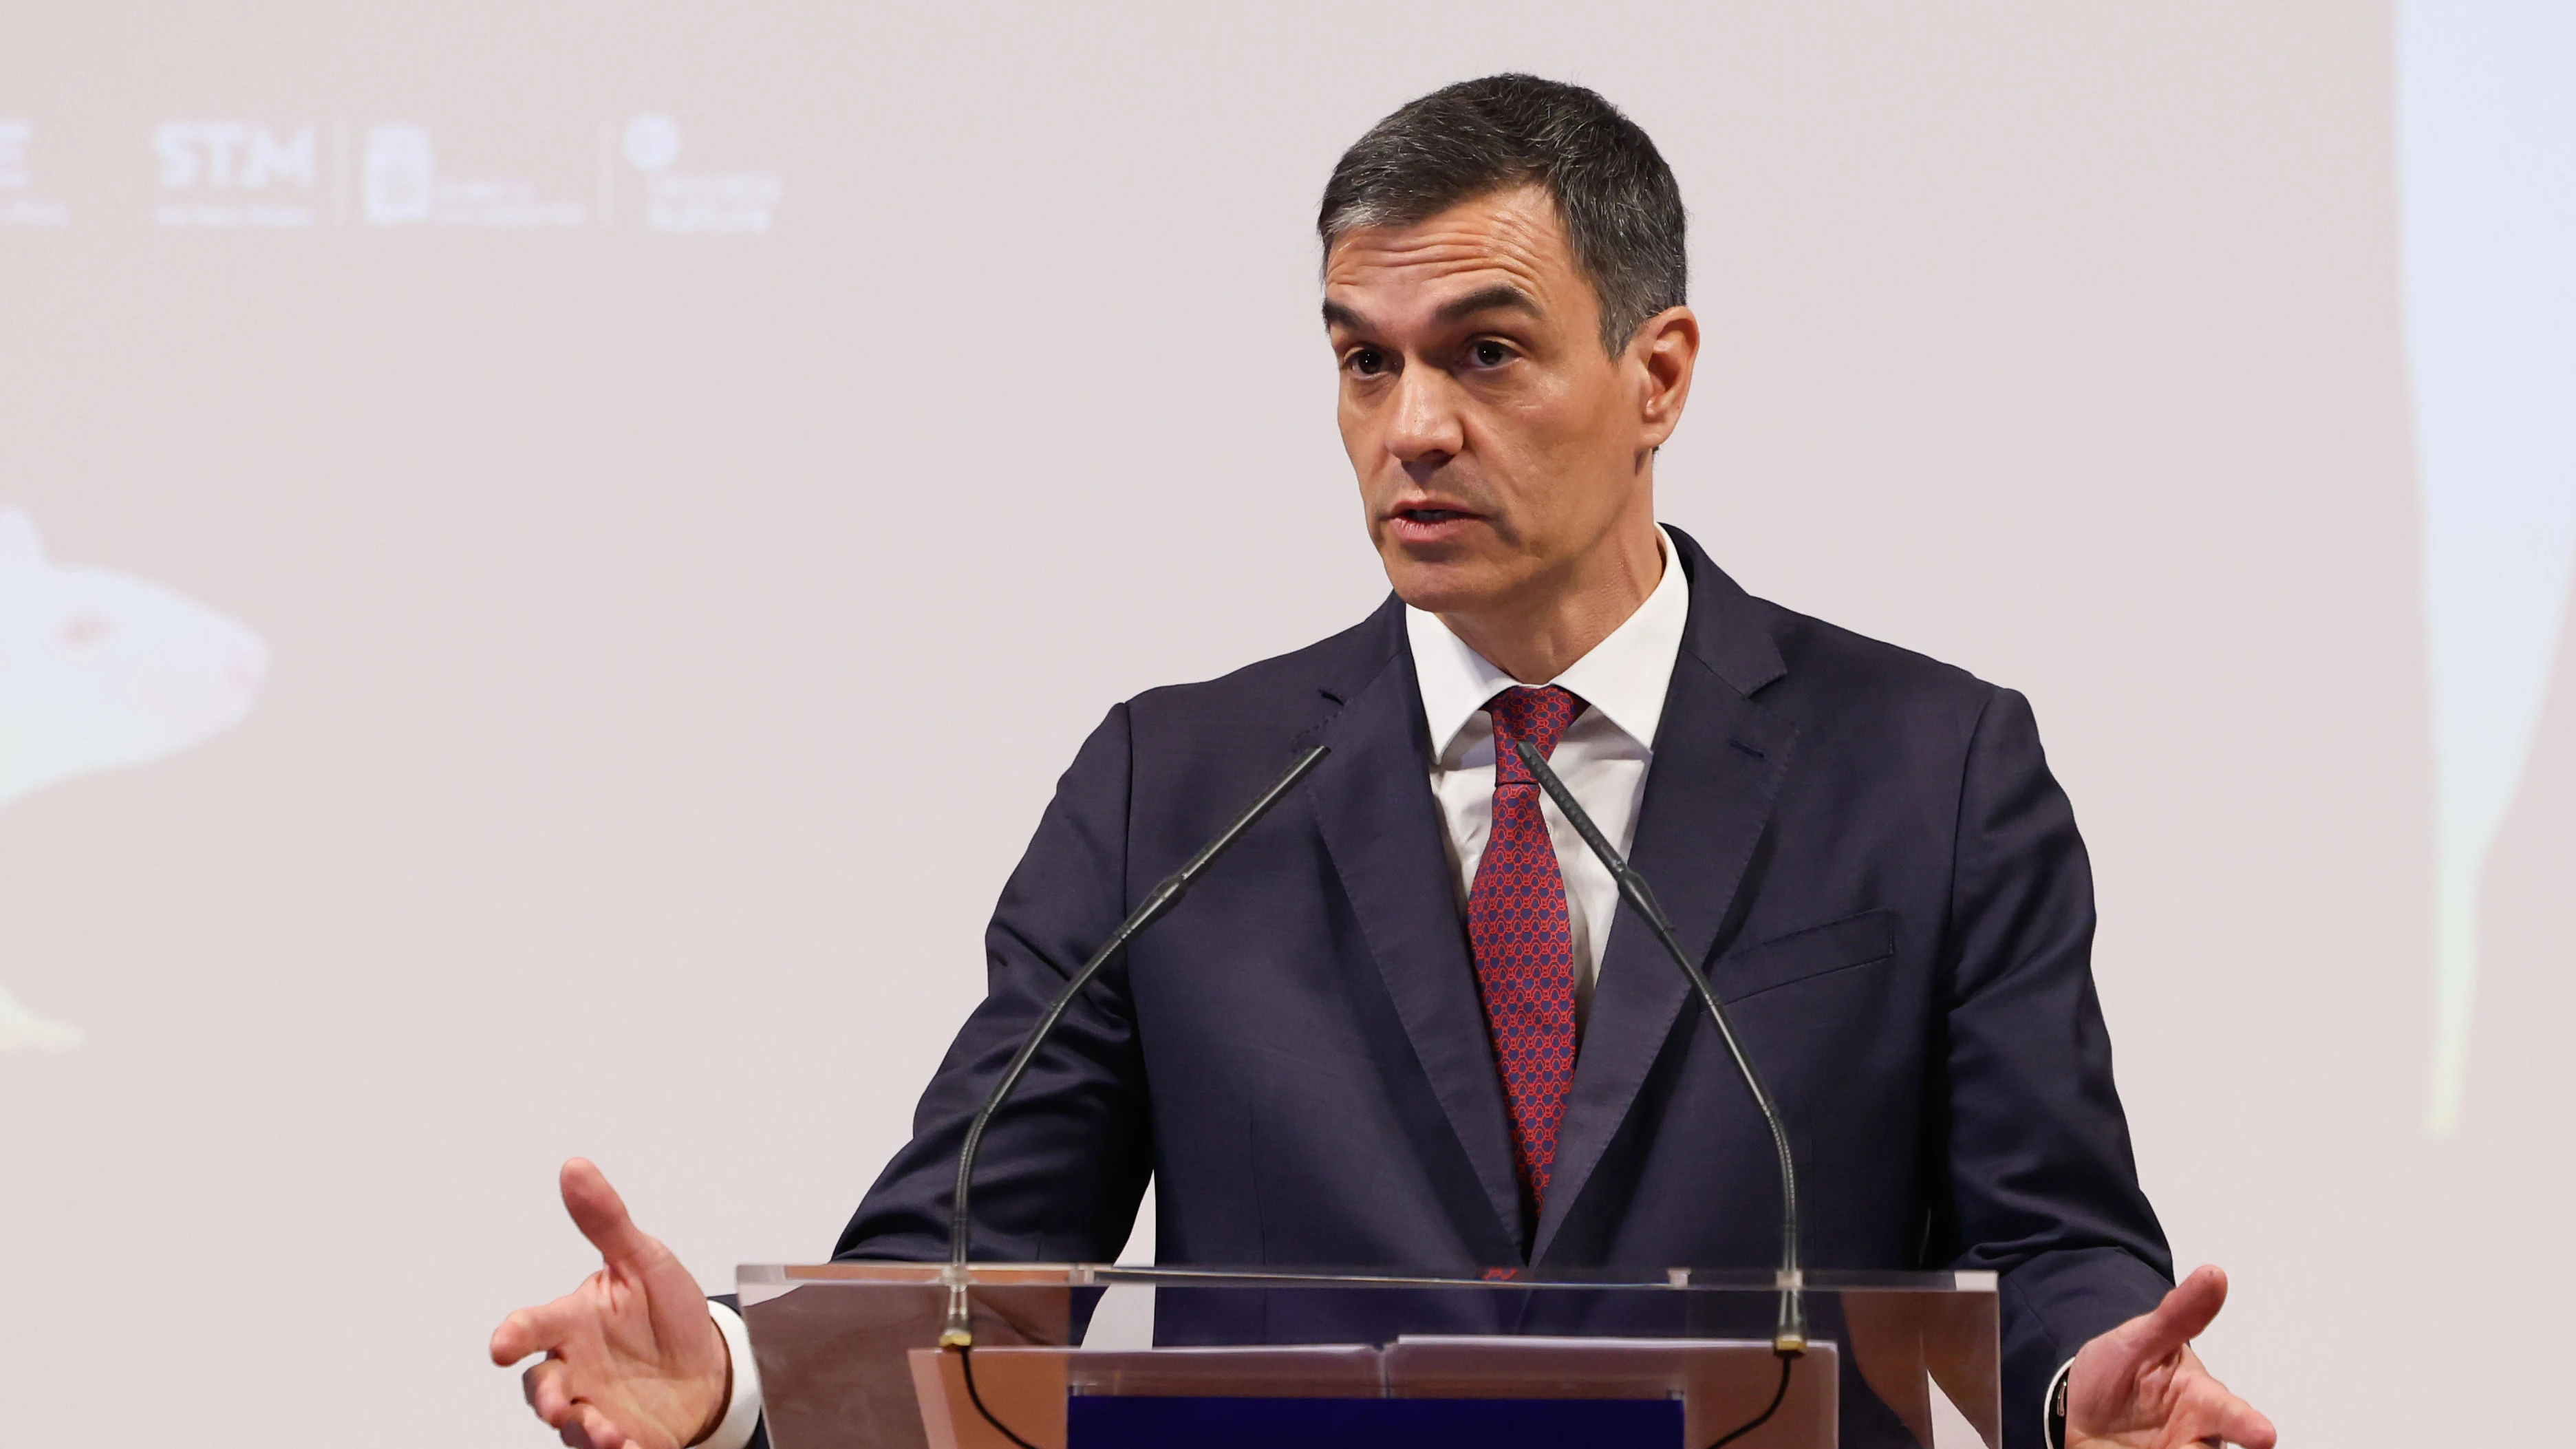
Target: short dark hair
(1613,193)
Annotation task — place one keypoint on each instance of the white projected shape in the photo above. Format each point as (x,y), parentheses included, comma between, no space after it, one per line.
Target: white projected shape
(19,206)
(735,203)
(2487,167)
(235,155)
(652,141)
(15,137)
(399,174)
(100,670)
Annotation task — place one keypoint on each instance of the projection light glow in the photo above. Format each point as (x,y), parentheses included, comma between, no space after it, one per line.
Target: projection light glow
(99,671)
(2487,167)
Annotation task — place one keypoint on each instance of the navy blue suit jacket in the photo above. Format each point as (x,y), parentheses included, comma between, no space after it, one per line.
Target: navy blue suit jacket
(1864,846)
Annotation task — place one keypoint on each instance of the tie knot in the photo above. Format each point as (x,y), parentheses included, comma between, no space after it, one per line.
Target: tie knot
(1539,716)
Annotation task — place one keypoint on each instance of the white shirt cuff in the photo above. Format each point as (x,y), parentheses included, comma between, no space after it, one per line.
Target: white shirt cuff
(742,1411)
(2047,1403)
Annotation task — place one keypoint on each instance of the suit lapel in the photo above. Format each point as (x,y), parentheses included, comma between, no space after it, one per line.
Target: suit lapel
(1718,765)
(1373,803)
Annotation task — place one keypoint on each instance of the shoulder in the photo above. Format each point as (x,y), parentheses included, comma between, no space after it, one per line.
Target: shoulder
(1283,695)
(1814,673)
(1831,661)
(1843,686)
(1897,735)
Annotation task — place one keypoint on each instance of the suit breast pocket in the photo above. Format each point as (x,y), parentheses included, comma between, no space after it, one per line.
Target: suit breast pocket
(1853,941)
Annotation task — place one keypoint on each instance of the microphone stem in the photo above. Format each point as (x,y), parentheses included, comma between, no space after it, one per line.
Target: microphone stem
(1789,1335)
(958,1332)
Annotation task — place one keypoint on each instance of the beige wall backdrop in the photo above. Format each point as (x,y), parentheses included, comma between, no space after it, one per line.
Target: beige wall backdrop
(694,473)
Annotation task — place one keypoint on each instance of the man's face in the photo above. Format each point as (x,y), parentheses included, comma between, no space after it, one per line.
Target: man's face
(1496,443)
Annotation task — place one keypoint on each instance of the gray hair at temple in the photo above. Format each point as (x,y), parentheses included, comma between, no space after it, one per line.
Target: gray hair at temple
(1614,195)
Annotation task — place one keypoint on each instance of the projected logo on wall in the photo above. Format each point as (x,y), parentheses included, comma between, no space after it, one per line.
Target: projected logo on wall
(98,671)
(2487,165)
(235,173)
(229,174)
(21,204)
(400,186)
(738,201)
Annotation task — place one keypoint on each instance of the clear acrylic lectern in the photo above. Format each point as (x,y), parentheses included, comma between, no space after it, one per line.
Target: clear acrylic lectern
(1091,1357)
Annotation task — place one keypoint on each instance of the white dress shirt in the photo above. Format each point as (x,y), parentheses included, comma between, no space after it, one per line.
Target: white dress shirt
(1602,757)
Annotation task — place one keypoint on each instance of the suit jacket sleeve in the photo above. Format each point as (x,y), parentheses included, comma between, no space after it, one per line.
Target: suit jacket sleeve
(1066,1161)
(2042,1187)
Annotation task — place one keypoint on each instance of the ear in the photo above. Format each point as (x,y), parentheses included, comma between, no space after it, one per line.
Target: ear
(19,545)
(1668,347)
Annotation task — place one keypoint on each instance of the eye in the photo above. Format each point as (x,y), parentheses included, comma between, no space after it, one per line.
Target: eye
(1365,361)
(1486,352)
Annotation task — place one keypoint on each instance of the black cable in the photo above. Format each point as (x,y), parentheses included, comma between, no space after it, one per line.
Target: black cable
(1779,1396)
(966,1365)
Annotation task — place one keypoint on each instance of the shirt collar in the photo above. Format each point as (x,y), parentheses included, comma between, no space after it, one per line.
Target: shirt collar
(1624,677)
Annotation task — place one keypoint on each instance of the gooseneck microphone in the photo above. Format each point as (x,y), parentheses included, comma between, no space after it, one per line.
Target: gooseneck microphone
(959,1330)
(1789,1338)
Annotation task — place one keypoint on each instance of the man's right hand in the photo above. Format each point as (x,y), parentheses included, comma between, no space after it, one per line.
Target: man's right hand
(632,1359)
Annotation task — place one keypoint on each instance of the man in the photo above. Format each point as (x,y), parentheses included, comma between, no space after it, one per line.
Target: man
(1864,846)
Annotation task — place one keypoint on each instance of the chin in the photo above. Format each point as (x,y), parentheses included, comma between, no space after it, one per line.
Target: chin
(1441,586)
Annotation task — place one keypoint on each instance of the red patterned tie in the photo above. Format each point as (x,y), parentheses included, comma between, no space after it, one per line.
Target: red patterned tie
(1524,949)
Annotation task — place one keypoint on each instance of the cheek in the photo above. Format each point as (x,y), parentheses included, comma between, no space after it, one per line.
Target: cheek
(1569,424)
(1353,423)
(1543,459)
(1362,439)
(1527,439)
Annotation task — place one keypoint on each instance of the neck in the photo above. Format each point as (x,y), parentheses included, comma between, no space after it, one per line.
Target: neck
(1538,636)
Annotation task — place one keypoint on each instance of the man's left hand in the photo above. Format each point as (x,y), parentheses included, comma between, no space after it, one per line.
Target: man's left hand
(2141,1387)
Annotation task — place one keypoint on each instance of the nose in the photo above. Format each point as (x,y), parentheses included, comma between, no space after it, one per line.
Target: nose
(1423,429)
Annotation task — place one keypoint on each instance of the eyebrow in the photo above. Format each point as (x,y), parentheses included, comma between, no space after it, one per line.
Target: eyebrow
(1500,297)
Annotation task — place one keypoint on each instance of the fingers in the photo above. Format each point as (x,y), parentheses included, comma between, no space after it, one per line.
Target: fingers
(533,1330)
(2181,1317)
(2242,1425)
(2211,1415)
(543,1385)
(2229,1419)
(2108,1369)
(2144,1374)
(591,1429)
(601,1214)
(577,1423)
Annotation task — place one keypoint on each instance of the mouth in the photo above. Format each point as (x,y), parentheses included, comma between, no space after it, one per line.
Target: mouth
(1429,521)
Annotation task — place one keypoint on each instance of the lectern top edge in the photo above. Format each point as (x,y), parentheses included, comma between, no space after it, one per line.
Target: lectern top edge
(1096,1275)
